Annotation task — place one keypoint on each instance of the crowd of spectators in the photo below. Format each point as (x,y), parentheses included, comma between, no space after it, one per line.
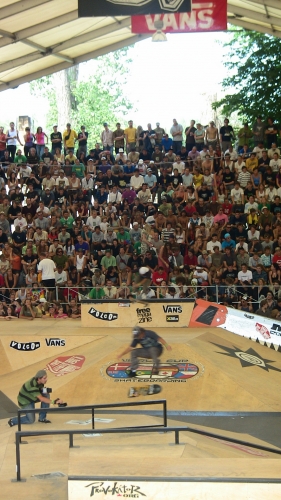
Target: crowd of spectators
(145,214)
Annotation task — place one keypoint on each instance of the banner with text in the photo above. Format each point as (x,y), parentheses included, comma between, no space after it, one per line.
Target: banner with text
(204,16)
(245,324)
(131,7)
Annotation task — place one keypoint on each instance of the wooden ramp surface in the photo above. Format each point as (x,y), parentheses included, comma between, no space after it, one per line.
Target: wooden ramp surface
(207,370)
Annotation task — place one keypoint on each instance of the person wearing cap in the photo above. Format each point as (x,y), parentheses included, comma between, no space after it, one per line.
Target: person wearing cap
(62,181)
(119,138)
(32,392)
(56,139)
(69,138)
(151,181)
(151,348)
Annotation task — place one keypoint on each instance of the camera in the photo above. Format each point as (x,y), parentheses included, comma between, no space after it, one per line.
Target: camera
(46,390)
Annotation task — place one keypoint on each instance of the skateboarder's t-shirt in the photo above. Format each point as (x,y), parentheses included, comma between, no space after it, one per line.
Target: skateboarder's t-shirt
(150,340)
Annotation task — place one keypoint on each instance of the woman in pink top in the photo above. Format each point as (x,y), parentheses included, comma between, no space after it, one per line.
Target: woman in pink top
(40,141)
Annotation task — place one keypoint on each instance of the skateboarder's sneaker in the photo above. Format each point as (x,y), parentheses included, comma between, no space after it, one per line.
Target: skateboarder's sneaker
(10,423)
(131,373)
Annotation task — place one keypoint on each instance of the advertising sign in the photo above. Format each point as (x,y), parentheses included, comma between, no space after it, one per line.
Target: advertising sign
(88,8)
(204,16)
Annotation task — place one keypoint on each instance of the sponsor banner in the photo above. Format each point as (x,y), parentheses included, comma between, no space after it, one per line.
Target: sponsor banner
(24,346)
(172,319)
(63,365)
(245,324)
(204,16)
(111,8)
(167,490)
(55,342)
(105,316)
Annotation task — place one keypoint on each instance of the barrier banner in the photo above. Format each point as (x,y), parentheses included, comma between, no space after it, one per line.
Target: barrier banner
(245,324)
(204,16)
(130,7)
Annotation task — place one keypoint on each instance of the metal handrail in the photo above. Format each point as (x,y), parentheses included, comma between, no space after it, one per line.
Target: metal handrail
(74,409)
(128,430)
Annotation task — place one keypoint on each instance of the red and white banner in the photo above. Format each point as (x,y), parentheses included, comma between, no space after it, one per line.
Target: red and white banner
(205,16)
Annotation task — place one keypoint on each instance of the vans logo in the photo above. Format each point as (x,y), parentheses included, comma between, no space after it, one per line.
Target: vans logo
(55,342)
(24,346)
(172,309)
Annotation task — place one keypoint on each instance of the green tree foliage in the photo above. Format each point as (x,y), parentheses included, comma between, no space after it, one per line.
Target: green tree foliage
(253,84)
(99,98)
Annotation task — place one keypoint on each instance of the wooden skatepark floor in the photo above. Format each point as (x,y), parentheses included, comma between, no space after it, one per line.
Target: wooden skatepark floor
(209,371)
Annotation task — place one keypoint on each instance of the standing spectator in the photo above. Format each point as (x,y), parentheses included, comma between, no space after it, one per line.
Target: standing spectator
(176,132)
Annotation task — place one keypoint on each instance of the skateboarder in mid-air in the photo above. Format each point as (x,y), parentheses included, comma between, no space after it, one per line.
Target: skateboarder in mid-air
(151,348)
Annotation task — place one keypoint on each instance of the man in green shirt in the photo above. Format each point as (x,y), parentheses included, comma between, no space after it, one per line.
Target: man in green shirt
(67,220)
(20,158)
(107,261)
(78,168)
(123,236)
(32,392)
(96,293)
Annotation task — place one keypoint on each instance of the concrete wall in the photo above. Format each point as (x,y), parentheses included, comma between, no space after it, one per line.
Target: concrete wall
(161,314)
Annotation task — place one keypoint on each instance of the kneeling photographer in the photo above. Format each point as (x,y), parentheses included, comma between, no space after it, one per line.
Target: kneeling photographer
(33,391)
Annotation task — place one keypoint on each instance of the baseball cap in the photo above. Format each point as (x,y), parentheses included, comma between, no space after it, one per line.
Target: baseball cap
(149,170)
(121,150)
(105,124)
(103,158)
(41,374)
(205,251)
(140,161)
(264,208)
(227,235)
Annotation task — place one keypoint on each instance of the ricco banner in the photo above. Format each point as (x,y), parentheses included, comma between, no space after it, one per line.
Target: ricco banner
(88,8)
(205,16)
(245,324)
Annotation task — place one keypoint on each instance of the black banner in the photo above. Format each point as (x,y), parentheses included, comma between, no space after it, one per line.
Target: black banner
(89,8)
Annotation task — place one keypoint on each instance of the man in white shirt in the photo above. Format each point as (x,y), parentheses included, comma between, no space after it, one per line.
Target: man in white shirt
(237,194)
(107,138)
(213,243)
(136,180)
(94,220)
(179,165)
(115,196)
(62,181)
(245,275)
(24,171)
(272,150)
(233,154)
(187,178)
(251,204)
(258,150)
(48,268)
(275,163)
(20,221)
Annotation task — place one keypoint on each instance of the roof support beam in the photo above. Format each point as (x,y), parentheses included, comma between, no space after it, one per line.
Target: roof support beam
(59,67)
(57,51)
(92,35)
(253,14)
(18,7)
(253,27)
(275,4)
(19,36)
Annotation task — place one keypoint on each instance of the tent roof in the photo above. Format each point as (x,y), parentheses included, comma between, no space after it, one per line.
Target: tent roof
(40,37)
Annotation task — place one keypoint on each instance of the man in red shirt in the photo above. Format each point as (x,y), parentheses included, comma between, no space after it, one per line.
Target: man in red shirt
(159,276)
(227,207)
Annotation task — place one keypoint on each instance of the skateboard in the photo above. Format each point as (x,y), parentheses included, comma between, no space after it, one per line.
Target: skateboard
(144,390)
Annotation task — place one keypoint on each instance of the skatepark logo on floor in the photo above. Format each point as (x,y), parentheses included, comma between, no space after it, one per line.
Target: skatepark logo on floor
(102,315)
(173,319)
(63,365)
(55,342)
(24,346)
(172,309)
(168,372)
